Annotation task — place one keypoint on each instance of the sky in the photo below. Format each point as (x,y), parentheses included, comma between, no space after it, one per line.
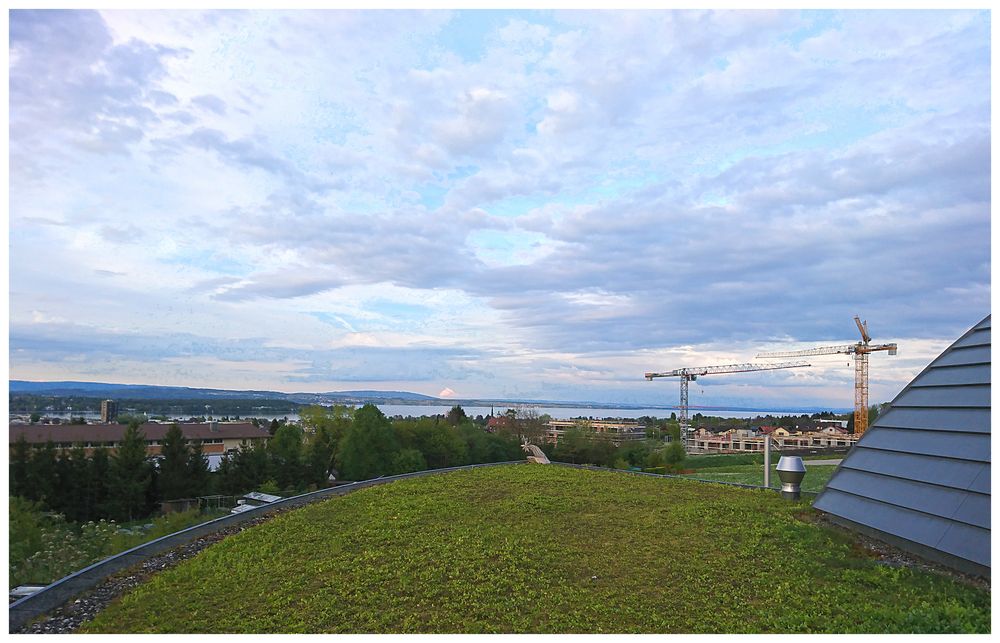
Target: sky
(506,204)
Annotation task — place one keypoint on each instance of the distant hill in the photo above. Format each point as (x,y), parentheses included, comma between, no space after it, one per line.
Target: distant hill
(146,392)
(143,391)
(363,395)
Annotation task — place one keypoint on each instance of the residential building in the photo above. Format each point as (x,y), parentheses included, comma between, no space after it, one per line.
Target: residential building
(498,422)
(216,438)
(618,431)
(743,440)
(109,411)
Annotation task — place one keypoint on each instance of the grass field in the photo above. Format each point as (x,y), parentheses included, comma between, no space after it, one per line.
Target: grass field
(736,459)
(816,475)
(530,548)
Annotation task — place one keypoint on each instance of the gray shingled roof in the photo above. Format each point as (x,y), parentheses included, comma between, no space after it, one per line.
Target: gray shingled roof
(919,478)
(59,433)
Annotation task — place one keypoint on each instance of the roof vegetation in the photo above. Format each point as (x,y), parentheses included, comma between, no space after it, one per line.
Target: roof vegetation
(530,548)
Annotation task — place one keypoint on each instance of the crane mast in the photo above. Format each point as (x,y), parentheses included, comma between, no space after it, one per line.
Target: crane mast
(861,350)
(691,373)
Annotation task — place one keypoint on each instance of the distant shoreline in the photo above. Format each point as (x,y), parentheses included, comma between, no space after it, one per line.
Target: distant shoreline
(138,393)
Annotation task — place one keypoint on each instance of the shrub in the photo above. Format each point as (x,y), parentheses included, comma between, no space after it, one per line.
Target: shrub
(44,547)
(270,486)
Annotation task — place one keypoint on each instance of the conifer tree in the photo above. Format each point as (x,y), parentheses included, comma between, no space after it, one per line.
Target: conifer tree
(227,477)
(456,415)
(98,484)
(78,508)
(63,486)
(42,475)
(285,450)
(319,456)
(250,467)
(20,466)
(130,475)
(152,497)
(173,475)
(197,471)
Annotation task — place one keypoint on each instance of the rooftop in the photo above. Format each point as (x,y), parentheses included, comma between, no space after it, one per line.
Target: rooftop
(59,433)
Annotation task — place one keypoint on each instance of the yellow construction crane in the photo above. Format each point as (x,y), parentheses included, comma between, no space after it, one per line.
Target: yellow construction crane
(861,350)
(690,374)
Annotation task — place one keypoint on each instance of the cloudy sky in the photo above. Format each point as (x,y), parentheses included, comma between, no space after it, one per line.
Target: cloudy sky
(503,203)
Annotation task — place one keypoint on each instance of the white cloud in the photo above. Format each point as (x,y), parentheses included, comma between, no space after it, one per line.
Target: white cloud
(582,196)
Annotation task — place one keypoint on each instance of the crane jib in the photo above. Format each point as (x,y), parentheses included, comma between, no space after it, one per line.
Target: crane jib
(693,371)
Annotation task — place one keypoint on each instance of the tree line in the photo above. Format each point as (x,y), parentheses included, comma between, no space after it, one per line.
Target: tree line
(339,441)
(120,485)
(584,446)
(40,403)
(126,485)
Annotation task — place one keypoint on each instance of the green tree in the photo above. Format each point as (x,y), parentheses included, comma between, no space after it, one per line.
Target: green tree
(324,427)
(571,446)
(635,453)
(78,507)
(673,453)
(61,500)
(408,460)
(98,484)
(368,448)
(286,456)
(320,451)
(42,476)
(599,449)
(477,444)
(226,477)
(35,417)
(655,459)
(174,481)
(269,486)
(674,456)
(582,445)
(335,419)
(481,446)
(152,498)
(253,465)
(530,425)
(130,475)
(199,477)
(20,467)
(456,416)
(504,449)
(439,443)
(674,431)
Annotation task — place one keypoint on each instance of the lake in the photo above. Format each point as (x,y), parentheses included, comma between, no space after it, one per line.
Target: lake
(556,412)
